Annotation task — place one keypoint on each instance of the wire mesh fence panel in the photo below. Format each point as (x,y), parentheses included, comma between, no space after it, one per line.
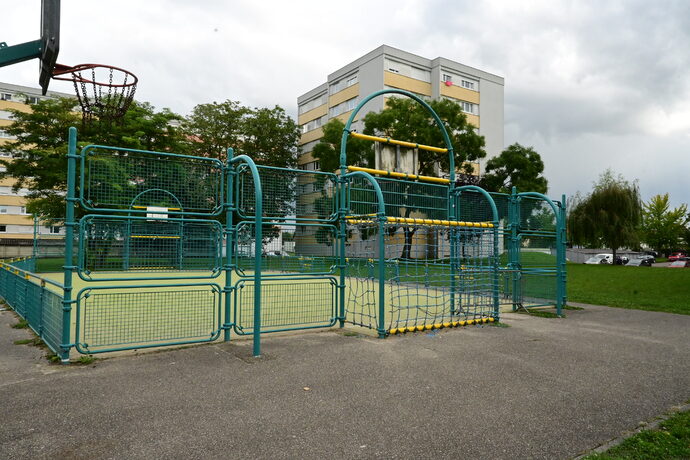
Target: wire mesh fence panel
(285,248)
(157,245)
(433,274)
(287,194)
(135,180)
(414,199)
(38,305)
(538,288)
(49,245)
(51,306)
(139,317)
(286,304)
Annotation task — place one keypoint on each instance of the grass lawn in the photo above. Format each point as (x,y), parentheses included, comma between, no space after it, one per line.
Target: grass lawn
(640,288)
(670,441)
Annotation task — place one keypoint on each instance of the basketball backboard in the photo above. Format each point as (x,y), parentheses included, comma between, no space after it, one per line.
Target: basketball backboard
(45,49)
(50,38)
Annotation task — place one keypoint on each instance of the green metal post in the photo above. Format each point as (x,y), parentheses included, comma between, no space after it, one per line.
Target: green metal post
(514,250)
(382,276)
(227,261)
(258,237)
(563,248)
(34,250)
(69,240)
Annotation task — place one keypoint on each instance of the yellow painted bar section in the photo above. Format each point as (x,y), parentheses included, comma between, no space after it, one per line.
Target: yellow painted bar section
(411,220)
(429,327)
(381,172)
(156,236)
(388,140)
(146,207)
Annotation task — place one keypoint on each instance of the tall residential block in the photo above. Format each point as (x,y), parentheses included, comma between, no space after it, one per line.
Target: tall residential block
(16,225)
(480,93)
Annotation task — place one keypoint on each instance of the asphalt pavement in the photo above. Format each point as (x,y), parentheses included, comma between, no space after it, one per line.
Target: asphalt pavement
(540,388)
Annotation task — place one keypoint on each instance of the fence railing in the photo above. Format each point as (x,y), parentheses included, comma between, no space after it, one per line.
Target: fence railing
(30,297)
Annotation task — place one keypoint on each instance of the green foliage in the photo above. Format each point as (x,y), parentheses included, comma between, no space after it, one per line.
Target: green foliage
(670,441)
(327,150)
(268,136)
(405,119)
(85,360)
(663,228)
(22,324)
(517,166)
(610,216)
(39,161)
(638,288)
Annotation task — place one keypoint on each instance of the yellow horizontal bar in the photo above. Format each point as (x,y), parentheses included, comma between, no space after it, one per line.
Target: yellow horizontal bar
(154,211)
(155,236)
(388,140)
(429,327)
(410,220)
(399,175)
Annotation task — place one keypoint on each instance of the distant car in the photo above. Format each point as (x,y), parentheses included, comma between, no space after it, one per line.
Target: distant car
(600,259)
(650,257)
(680,263)
(640,261)
(676,256)
(622,260)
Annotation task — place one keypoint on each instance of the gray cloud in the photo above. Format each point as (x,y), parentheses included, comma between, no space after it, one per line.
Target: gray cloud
(589,84)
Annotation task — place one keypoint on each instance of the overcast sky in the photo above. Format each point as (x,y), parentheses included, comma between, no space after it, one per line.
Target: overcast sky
(589,84)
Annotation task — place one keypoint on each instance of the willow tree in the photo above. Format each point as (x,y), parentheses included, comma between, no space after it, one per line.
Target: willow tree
(609,216)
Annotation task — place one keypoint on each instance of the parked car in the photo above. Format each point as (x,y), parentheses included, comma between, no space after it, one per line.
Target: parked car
(640,261)
(681,263)
(622,260)
(600,259)
(650,257)
(676,256)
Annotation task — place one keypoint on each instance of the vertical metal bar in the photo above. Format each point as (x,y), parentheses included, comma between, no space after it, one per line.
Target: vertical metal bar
(227,261)
(342,234)
(69,240)
(258,218)
(514,250)
(382,276)
(34,255)
(564,246)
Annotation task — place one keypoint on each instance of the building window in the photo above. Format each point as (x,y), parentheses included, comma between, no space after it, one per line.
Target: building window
(467,84)
(55,230)
(467,107)
(5,97)
(307,106)
(22,210)
(448,78)
(3,209)
(3,228)
(31,99)
(312,125)
(343,83)
(343,107)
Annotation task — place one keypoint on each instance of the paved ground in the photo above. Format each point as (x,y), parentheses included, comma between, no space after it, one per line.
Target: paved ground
(541,388)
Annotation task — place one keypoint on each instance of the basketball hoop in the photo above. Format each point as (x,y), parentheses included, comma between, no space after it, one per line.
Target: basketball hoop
(103,91)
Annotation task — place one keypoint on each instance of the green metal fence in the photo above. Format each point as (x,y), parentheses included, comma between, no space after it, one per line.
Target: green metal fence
(31,298)
(170,249)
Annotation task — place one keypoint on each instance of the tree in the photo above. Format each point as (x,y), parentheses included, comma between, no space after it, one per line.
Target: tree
(610,215)
(405,119)
(517,166)
(269,136)
(214,127)
(662,228)
(327,151)
(39,161)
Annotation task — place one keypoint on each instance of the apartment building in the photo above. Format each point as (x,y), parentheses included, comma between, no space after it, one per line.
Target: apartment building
(480,94)
(16,225)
